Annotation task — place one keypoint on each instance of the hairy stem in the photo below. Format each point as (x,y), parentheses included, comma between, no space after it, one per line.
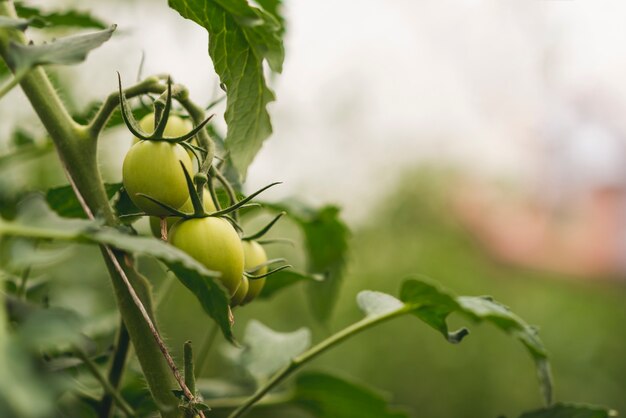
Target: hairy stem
(76,147)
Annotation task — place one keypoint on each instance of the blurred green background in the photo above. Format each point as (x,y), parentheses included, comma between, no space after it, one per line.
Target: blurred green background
(413,232)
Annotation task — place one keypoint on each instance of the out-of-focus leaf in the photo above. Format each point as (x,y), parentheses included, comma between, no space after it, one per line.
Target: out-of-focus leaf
(327,396)
(202,282)
(67,18)
(8,22)
(266,351)
(19,384)
(24,147)
(326,238)
(52,328)
(561,410)
(63,201)
(63,51)
(283,279)
(241,37)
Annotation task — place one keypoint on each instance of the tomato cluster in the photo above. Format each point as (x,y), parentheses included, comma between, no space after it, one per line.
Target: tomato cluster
(154,178)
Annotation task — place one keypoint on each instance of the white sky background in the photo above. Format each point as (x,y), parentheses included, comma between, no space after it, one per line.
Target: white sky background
(371,87)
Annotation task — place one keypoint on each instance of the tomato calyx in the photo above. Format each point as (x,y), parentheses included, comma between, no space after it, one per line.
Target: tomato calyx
(162,111)
(265,229)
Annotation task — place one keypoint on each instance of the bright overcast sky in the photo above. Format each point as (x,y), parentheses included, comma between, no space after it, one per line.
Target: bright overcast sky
(370,87)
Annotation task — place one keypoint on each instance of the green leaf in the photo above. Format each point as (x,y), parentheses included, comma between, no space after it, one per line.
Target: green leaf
(63,201)
(282,279)
(19,383)
(52,328)
(274,7)
(8,22)
(241,38)
(327,396)
(560,410)
(64,51)
(202,282)
(70,18)
(433,305)
(267,351)
(326,240)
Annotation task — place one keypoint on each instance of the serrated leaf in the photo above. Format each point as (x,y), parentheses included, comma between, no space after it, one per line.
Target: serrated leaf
(326,241)
(241,37)
(561,410)
(267,351)
(64,51)
(69,18)
(327,396)
(433,305)
(63,201)
(283,279)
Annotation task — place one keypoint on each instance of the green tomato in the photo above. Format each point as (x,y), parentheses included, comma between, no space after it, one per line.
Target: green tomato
(187,207)
(241,292)
(214,243)
(254,255)
(153,168)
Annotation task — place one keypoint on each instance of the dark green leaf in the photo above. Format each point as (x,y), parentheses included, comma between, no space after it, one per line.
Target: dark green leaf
(326,237)
(63,201)
(560,410)
(70,18)
(241,37)
(64,51)
(267,351)
(327,396)
(283,279)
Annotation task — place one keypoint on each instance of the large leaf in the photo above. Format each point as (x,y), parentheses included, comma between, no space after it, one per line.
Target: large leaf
(202,282)
(64,51)
(327,396)
(326,238)
(241,38)
(69,18)
(433,305)
(560,410)
(267,351)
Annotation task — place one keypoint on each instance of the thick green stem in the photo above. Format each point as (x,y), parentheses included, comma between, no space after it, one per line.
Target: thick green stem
(310,354)
(76,147)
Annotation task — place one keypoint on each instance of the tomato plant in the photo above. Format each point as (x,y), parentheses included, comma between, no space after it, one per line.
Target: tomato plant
(61,358)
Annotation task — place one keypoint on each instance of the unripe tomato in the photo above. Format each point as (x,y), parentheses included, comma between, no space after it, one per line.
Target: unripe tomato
(153,168)
(214,243)
(254,255)
(187,207)
(175,127)
(241,292)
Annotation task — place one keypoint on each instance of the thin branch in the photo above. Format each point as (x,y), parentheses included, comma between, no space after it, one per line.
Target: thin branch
(106,385)
(311,353)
